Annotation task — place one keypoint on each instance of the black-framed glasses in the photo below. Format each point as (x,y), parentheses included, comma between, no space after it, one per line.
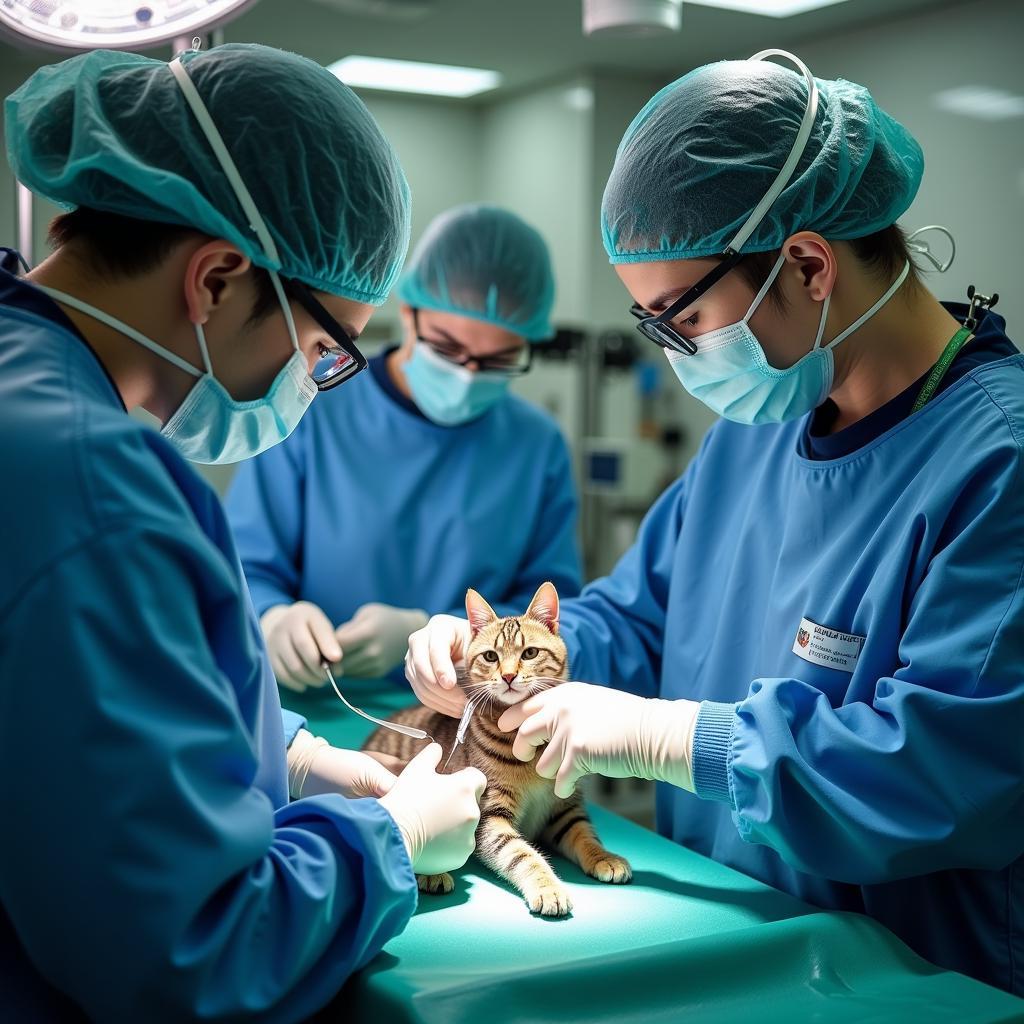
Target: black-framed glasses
(513,361)
(659,328)
(343,360)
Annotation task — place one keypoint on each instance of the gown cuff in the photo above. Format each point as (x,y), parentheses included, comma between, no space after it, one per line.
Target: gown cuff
(712,747)
(292,724)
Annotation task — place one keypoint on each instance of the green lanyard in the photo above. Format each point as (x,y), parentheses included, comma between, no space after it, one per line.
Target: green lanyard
(949,353)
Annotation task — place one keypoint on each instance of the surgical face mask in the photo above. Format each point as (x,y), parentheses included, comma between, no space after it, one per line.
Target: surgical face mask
(450,394)
(210,426)
(731,375)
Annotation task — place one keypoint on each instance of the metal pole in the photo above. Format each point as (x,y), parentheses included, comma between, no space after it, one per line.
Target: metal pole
(26,244)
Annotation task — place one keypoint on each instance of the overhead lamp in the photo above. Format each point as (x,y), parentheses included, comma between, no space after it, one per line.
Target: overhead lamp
(631,17)
(981,102)
(413,76)
(768,8)
(111,24)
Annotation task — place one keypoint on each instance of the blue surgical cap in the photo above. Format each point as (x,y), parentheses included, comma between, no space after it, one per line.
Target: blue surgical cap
(704,151)
(112,131)
(486,263)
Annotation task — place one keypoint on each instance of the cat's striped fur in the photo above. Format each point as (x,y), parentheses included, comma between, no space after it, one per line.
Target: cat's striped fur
(506,657)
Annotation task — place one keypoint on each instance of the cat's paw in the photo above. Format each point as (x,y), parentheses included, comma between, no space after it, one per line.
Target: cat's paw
(549,901)
(611,868)
(437,884)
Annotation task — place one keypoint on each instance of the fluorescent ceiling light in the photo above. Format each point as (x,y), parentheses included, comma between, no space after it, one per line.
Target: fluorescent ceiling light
(981,102)
(769,8)
(411,76)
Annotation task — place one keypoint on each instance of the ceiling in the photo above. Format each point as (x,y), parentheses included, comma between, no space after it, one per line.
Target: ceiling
(531,41)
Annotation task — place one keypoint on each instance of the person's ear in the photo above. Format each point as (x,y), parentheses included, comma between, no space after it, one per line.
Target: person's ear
(214,274)
(811,263)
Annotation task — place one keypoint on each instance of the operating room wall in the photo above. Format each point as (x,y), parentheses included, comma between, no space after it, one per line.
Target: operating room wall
(974,169)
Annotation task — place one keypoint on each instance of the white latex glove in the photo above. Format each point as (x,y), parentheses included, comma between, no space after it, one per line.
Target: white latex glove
(436,814)
(315,767)
(430,663)
(299,636)
(376,638)
(593,729)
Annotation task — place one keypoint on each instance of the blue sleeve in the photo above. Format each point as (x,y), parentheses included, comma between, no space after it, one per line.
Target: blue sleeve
(929,775)
(554,553)
(264,506)
(614,630)
(292,723)
(144,873)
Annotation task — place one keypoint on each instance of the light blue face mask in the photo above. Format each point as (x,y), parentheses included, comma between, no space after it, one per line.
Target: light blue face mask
(449,394)
(731,375)
(210,426)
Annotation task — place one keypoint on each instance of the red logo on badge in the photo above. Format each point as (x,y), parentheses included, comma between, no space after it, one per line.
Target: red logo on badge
(803,638)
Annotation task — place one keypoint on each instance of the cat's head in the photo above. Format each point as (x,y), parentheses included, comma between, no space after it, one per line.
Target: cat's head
(507,657)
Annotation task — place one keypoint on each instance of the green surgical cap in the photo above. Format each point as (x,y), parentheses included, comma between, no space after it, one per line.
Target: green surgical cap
(483,262)
(113,132)
(704,151)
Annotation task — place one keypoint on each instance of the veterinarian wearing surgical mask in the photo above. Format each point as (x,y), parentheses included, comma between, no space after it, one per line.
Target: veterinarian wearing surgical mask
(237,215)
(426,478)
(816,643)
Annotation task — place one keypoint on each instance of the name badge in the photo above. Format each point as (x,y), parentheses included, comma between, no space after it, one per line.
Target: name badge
(828,647)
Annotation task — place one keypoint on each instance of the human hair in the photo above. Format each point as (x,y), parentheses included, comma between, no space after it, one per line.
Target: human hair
(116,246)
(882,254)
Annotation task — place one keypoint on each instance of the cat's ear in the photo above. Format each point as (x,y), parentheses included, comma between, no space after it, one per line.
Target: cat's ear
(478,611)
(544,606)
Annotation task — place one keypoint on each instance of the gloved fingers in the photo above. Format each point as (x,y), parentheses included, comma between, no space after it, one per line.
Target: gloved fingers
(363,662)
(476,778)
(284,677)
(568,775)
(426,761)
(291,671)
(374,780)
(308,652)
(534,732)
(354,634)
(322,630)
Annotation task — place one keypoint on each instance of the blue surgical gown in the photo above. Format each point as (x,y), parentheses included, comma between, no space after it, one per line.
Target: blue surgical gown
(892,784)
(370,501)
(152,867)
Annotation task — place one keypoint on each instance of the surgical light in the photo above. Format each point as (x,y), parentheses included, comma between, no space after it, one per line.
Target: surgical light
(111,24)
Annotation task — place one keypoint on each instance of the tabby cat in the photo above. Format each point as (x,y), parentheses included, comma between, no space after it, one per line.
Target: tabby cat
(508,660)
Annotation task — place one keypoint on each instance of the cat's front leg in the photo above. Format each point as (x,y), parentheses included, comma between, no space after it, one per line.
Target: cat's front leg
(501,847)
(436,884)
(570,832)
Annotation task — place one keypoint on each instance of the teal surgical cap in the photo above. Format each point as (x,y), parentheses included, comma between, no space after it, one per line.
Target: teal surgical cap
(483,262)
(704,151)
(113,132)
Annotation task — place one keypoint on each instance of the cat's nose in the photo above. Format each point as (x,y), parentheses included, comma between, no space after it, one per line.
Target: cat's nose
(510,679)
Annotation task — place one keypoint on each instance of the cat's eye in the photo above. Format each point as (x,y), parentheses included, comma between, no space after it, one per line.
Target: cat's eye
(491,656)
(530,653)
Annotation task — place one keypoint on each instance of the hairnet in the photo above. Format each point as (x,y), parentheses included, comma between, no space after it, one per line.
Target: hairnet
(112,131)
(483,262)
(704,150)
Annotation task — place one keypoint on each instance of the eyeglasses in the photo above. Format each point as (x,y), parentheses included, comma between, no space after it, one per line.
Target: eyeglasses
(341,361)
(659,328)
(513,361)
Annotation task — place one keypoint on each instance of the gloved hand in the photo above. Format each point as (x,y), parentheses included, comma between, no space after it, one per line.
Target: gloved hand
(299,636)
(594,729)
(315,767)
(430,663)
(436,814)
(376,638)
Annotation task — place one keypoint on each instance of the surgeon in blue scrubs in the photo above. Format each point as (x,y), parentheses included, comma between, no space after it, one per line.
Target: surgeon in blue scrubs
(426,478)
(816,644)
(153,867)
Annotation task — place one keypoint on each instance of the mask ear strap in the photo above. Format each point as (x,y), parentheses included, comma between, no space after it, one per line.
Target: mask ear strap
(865,317)
(769,281)
(285,308)
(126,329)
(821,322)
